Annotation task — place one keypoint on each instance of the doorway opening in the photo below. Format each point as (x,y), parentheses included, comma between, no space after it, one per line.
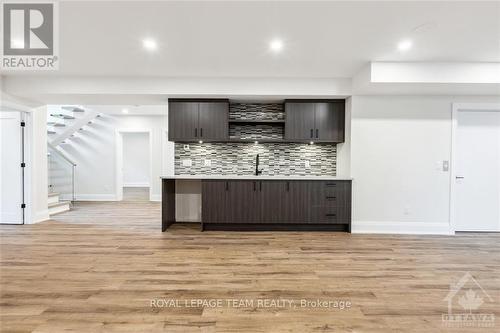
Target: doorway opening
(134,165)
(475,182)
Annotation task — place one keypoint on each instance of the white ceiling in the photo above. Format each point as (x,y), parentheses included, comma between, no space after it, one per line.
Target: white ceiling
(230,39)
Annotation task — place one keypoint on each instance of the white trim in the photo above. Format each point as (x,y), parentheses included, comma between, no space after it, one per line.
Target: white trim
(91,197)
(400,227)
(40,217)
(119,159)
(136,185)
(155,197)
(457,107)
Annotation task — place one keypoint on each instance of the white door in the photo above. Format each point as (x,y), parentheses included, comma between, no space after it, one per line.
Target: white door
(11,194)
(477,171)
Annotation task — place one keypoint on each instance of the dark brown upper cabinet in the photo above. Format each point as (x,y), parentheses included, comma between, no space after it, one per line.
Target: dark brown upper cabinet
(198,120)
(315,120)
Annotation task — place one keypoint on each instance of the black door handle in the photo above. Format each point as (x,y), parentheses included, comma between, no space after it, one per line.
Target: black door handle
(201,132)
(331,198)
(195,132)
(331,215)
(288,186)
(317,133)
(227,186)
(311,133)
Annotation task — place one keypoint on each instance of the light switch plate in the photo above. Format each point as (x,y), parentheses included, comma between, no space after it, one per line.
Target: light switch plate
(207,162)
(187,163)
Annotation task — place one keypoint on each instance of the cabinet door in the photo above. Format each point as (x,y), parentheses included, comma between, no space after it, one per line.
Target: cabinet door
(213,123)
(298,201)
(299,121)
(329,122)
(183,121)
(275,201)
(243,202)
(213,205)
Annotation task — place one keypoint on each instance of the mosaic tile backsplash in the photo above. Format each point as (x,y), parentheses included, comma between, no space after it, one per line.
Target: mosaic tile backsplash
(256,111)
(276,159)
(256,131)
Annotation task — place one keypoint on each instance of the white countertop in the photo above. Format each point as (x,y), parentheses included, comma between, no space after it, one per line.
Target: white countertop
(252,177)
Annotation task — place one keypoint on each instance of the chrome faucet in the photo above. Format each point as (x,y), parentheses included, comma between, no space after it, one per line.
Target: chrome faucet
(257,171)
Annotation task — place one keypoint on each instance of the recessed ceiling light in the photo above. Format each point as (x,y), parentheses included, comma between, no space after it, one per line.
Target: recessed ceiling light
(125,111)
(149,44)
(276,45)
(405,45)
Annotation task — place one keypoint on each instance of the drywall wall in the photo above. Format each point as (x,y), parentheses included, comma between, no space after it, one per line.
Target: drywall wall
(37,193)
(136,160)
(94,151)
(398,144)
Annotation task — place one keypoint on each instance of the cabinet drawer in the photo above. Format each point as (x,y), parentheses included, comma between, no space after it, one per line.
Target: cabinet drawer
(335,215)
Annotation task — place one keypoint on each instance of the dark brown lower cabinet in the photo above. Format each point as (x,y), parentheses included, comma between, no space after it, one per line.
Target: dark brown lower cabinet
(276,205)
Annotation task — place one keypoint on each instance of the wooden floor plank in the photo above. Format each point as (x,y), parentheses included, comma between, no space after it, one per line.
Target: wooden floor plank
(98,267)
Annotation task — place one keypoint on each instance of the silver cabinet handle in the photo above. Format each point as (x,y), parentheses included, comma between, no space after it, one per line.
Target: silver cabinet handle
(459,177)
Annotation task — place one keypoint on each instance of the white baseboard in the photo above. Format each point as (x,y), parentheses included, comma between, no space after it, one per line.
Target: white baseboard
(91,197)
(400,227)
(40,217)
(136,185)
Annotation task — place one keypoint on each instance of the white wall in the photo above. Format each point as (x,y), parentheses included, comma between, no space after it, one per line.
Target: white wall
(136,157)
(397,146)
(94,152)
(37,196)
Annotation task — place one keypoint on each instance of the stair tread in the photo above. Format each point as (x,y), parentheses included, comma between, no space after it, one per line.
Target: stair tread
(60,203)
(53,194)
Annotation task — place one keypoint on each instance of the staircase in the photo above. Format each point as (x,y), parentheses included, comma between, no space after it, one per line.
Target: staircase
(63,125)
(56,205)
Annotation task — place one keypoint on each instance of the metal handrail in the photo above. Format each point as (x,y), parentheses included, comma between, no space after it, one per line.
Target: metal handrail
(73,165)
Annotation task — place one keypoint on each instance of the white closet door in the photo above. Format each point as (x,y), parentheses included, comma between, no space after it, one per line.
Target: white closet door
(478,171)
(11,193)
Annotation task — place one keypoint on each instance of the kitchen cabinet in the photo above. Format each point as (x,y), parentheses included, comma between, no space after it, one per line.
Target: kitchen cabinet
(318,121)
(198,120)
(276,205)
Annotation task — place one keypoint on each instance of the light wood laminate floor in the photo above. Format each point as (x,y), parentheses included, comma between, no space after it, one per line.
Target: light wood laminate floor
(98,267)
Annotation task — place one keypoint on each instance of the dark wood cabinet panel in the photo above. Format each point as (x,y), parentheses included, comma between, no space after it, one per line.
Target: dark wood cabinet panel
(213,124)
(213,204)
(298,201)
(276,202)
(299,121)
(318,121)
(329,122)
(183,121)
(195,120)
(243,202)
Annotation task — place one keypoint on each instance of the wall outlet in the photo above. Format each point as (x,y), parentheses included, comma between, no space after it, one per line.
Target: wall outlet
(207,163)
(187,163)
(186,147)
(307,164)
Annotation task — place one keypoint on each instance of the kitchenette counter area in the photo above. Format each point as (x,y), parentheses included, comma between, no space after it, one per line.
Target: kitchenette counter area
(264,203)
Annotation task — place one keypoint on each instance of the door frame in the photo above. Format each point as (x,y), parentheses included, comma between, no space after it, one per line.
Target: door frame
(119,160)
(456,108)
